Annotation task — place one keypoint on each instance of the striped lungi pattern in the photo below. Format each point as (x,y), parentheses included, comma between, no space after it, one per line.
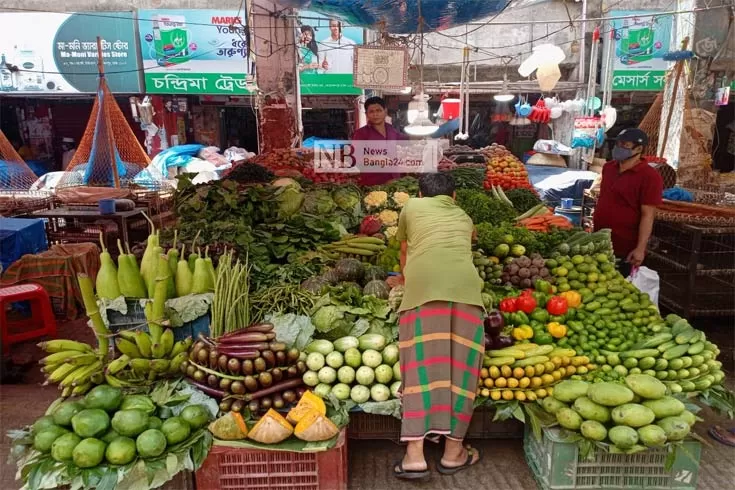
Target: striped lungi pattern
(441,349)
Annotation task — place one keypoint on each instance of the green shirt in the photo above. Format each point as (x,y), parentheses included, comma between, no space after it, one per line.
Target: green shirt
(439,257)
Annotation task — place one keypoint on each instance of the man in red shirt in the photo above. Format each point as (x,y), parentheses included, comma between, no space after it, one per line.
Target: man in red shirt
(629,193)
(375,130)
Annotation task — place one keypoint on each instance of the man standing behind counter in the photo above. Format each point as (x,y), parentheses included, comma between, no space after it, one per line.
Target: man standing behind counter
(629,193)
(377,129)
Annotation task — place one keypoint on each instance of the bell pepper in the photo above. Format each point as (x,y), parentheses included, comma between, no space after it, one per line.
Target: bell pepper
(524,332)
(526,303)
(527,292)
(540,315)
(574,299)
(543,286)
(557,305)
(543,338)
(520,318)
(558,318)
(509,305)
(541,298)
(557,330)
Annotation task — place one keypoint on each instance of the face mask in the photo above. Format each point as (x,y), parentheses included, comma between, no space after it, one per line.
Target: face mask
(621,154)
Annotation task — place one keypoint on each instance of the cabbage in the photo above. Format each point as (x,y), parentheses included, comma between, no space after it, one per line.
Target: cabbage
(326,318)
(346,198)
(319,202)
(290,201)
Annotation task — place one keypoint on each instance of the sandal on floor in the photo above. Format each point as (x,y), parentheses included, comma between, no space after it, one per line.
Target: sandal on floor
(717,434)
(409,474)
(450,470)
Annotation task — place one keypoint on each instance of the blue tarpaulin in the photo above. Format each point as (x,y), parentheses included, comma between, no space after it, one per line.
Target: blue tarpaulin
(19,236)
(402,16)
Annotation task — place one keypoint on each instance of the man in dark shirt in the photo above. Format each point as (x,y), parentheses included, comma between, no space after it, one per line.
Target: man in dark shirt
(376,130)
(629,193)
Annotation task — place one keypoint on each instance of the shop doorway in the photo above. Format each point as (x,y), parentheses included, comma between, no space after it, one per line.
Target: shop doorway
(239,128)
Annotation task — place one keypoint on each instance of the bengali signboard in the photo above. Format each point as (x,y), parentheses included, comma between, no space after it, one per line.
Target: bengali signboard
(53,53)
(326,51)
(640,44)
(197,52)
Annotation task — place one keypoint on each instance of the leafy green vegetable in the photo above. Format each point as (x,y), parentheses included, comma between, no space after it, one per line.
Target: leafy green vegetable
(483,208)
(319,201)
(522,199)
(293,330)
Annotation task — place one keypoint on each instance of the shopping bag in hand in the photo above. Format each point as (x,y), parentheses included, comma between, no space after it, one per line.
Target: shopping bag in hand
(647,281)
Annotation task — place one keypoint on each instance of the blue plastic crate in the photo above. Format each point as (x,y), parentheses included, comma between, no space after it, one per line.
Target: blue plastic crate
(135,319)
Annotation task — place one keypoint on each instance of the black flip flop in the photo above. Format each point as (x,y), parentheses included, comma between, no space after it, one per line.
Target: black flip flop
(715,434)
(409,474)
(450,470)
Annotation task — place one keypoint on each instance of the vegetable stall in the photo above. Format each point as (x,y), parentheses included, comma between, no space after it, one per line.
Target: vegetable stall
(296,281)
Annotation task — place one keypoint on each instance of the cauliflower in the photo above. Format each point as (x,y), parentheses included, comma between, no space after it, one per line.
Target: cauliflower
(400,198)
(391,231)
(376,199)
(388,217)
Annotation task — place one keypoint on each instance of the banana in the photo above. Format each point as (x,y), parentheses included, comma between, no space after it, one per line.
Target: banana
(81,375)
(128,334)
(118,364)
(167,341)
(60,373)
(115,382)
(57,357)
(50,368)
(98,378)
(81,389)
(182,346)
(158,350)
(127,347)
(143,341)
(82,359)
(176,362)
(66,392)
(160,365)
(140,366)
(59,345)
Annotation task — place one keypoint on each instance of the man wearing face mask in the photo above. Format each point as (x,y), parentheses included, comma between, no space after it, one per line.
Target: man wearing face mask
(629,193)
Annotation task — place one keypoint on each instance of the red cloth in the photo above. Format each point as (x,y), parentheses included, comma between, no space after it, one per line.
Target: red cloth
(369,133)
(621,197)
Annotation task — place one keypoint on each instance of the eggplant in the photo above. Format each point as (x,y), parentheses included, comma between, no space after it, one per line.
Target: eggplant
(213,381)
(254,406)
(489,344)
(502,341)
(225,405)
(494,323)
(233,365)
(247,367)
(237,406)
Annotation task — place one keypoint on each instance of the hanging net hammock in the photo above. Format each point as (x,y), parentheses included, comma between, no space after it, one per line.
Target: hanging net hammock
(15,175)
(109,154)
(650,124)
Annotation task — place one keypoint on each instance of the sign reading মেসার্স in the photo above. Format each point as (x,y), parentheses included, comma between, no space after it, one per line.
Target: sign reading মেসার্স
(196,52)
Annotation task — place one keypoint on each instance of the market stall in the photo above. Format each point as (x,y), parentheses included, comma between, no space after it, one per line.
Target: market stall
(262,330)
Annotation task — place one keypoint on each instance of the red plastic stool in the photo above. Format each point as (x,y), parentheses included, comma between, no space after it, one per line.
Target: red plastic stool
(41,322)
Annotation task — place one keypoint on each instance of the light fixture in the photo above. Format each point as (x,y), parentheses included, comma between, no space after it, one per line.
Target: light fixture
(504,95)
(421,126)
(419,123)
(406,90)
(419,103)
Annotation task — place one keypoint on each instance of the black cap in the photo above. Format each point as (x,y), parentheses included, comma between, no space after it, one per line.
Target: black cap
(634,135)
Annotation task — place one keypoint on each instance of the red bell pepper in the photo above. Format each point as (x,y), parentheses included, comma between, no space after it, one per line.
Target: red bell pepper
(526,303)
(509,305)
(527,292)
(557,305)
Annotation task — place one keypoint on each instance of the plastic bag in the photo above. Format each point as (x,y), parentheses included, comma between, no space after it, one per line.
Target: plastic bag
(647,281)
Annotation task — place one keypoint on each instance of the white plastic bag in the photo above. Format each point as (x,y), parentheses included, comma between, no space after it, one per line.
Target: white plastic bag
(647,281)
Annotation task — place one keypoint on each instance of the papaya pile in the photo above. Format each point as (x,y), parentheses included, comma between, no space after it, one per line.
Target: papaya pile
(630,416)
(107,427)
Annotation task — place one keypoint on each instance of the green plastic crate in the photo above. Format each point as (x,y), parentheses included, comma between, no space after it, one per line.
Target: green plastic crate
(557,465)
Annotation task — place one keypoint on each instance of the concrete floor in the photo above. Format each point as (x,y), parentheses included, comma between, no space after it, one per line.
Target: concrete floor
(503,466)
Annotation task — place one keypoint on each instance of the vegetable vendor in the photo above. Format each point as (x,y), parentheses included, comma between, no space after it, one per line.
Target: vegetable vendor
(377,129)
(629,193)
(441,336)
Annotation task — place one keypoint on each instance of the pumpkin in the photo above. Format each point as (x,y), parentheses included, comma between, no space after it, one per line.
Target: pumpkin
(331,276)
(229,427)
(309,401)
(349,269)
(373,272)
(272,428)
(314,427)
(314,285)
(376,288)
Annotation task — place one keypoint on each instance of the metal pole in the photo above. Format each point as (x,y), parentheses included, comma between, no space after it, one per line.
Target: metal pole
(583,44)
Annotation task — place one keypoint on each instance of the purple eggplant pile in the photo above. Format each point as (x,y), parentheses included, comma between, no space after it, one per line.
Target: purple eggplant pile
(246,369)
(494,325)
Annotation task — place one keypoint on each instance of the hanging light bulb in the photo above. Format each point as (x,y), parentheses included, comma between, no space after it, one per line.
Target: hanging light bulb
(422,126)
(504,95)
(419,122)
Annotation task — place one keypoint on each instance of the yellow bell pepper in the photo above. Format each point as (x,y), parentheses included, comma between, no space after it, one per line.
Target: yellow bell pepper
(574,299)
(556,329)
(524,332)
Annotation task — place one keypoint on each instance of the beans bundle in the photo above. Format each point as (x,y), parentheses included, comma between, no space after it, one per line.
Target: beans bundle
(231,302)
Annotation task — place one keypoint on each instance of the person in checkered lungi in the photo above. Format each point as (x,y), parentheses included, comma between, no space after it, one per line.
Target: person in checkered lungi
(441,336)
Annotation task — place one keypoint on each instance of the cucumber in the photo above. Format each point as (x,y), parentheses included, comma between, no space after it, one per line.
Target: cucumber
(695,348)
(654,341)
(685,336)
(530,361)
(508,352)
(561,352)
(675,352)
(498,361)
(541,350)
(697,337)
(666,346)
(680,326)
(640,353)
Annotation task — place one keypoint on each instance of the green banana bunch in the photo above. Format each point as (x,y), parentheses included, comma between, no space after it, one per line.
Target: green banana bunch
(74,366)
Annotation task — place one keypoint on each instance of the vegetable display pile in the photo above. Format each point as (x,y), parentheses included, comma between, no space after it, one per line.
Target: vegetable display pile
(505,170)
